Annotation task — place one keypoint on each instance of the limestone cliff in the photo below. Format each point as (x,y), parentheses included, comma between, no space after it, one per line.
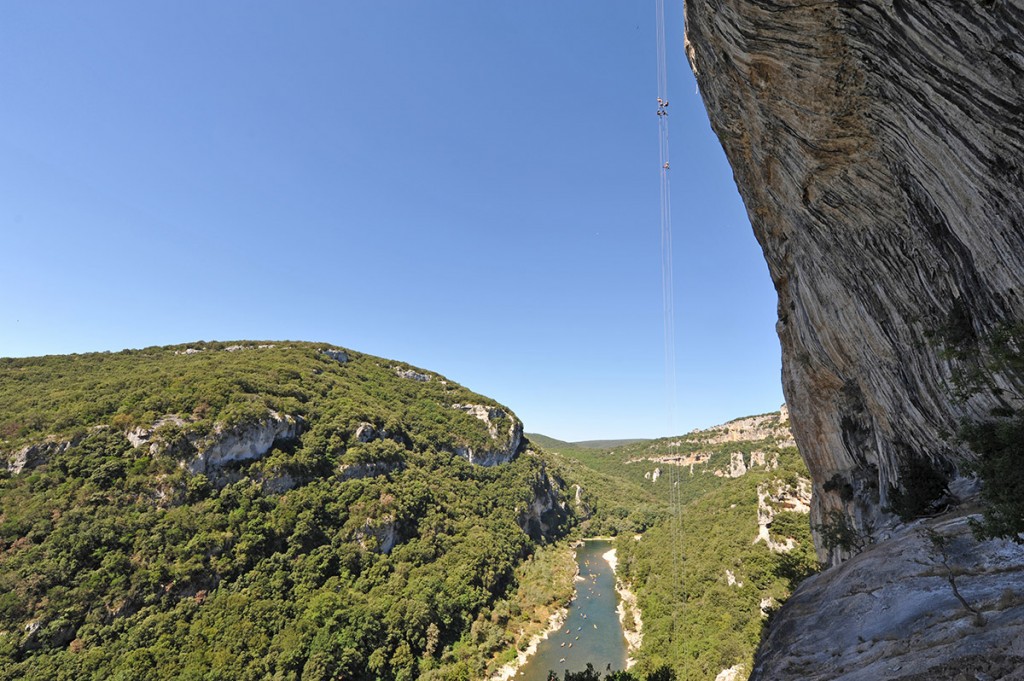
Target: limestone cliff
(879,148)
(929,604)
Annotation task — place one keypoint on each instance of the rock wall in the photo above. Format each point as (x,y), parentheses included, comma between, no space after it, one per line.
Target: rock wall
(547,510)
(879,148)
(892,612)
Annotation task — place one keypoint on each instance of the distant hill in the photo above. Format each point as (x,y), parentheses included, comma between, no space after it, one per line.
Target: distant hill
(265,510)
(555,444)
(549,442)
(607,444)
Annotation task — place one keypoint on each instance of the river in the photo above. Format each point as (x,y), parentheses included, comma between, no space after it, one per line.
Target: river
(591,632)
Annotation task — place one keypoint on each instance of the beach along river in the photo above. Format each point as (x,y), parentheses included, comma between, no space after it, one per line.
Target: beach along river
(591,632)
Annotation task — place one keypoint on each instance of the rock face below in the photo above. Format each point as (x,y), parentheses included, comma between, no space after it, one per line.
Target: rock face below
(879,148)
(891,613)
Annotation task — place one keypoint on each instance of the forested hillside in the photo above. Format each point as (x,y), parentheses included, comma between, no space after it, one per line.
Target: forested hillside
(264,510)
(730,541)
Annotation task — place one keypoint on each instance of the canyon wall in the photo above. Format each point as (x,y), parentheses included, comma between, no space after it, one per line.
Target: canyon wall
(878,148)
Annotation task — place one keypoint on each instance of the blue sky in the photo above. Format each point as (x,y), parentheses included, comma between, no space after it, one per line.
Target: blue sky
(468,186)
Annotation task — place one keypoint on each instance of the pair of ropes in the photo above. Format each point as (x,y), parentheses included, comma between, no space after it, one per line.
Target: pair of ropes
(667,295)
(668,309)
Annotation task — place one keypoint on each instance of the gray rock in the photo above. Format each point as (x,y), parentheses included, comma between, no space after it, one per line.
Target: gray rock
(369,470)
(35,455)
(339,356)
(412,375)
(366,432)
(890,611)
(546,509)
(246,442)
(879,148)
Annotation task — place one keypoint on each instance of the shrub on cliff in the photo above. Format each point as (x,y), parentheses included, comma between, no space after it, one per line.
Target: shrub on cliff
(999,444)
(921,489)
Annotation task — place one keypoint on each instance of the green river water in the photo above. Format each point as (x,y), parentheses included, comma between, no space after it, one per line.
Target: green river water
(591,632)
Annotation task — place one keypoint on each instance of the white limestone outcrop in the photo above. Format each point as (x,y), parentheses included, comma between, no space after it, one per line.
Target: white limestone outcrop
(776,496)
(203,453)
(245,442)
(31,456)
(505,445)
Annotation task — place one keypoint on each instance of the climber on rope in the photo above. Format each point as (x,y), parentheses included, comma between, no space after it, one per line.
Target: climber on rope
(662,107)
(665,166)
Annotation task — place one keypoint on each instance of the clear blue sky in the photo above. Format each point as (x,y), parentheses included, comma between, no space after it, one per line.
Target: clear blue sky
(468,186)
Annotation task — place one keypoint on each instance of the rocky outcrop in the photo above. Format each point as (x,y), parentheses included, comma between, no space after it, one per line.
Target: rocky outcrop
(505,445)
(31,456)
(734,673)
(378,534)
(142,435)
(546,510)
(412,375)
(878,148)
(892,612)
(776,496)
(367,432)
(245,442)
(339,356)
(653,475)
(202,453)
(357,471)
(774,426)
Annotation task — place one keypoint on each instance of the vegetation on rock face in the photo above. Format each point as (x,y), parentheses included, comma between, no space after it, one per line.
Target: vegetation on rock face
(999,444)
(923,488)
(359,547)
(997,441)
(705,583)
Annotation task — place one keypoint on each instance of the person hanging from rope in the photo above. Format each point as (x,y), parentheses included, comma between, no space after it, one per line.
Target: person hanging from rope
(662,107)
(665,166)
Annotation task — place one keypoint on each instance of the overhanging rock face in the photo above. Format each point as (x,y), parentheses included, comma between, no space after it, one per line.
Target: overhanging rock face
(879,148)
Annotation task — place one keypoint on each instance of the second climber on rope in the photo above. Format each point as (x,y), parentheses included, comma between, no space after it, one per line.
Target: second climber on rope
(662,107)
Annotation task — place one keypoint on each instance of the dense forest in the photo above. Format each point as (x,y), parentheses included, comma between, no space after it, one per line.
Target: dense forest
(292,510)
(266,510)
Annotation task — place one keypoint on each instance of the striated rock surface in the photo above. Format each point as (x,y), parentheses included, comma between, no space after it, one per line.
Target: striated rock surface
(879,148)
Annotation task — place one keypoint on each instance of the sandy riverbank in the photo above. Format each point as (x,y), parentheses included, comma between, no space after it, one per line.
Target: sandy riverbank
(509,671)
(555,622)
(629,611)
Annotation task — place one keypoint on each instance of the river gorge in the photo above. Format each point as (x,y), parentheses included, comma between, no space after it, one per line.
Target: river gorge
(591,631)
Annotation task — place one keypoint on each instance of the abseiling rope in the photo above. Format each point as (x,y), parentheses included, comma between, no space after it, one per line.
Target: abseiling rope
(668,314)
(667,294)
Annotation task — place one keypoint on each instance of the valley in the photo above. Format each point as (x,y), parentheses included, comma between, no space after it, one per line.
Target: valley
(297,510)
